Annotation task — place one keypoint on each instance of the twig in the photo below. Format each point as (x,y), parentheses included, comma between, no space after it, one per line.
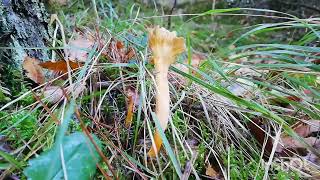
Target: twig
(170,13)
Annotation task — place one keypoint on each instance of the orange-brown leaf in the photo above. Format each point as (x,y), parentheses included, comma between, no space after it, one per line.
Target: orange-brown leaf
(60,66)
(129,113)
(130,53)
(211,172)
(119,45)
(34,71)
(133,98)
(158,143)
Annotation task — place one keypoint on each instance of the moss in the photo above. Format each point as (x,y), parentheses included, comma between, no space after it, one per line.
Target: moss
(18,127)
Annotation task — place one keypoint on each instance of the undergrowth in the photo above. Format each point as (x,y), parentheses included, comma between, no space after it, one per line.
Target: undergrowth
(250,72)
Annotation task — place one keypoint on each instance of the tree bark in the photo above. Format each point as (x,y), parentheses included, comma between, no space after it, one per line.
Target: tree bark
(23,31)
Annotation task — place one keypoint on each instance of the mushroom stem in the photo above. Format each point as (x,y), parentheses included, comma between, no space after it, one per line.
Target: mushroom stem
(162,105)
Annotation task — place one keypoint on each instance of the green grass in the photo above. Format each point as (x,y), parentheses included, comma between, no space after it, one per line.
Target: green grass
(208,123)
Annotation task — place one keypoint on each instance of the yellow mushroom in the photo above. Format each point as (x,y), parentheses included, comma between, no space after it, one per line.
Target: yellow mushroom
(165,47)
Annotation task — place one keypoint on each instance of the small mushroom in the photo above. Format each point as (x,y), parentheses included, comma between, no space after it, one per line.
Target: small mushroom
(165,46)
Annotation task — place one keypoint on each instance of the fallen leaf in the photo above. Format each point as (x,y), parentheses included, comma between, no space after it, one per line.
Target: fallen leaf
(34,71)
(60,66)
(119,45)
(129,112)
(256,128)
(54,94)
(291,143)
(211,172)
(132,102)
(117,53)
(130,53)
(294,98)
(303,130)
(79,48)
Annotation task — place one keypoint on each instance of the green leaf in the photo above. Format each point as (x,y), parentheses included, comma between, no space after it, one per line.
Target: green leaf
(79,160)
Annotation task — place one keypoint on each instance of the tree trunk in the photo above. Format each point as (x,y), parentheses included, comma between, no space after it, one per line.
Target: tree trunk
(23,31)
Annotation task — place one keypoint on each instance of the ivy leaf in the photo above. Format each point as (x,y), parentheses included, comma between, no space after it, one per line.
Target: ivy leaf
(80,158)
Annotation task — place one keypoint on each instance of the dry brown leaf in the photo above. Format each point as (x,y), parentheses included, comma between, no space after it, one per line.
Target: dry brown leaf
(117,53)
(34,71)
(291,143)
(54,94)
(60,66)
(303,130)
(306,129)
(132,102)
(129,112)
(130,53)
(211,172)
(79,48)
(255,127)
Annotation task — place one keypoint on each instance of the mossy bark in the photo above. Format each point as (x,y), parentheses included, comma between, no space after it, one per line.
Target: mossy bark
(23,31)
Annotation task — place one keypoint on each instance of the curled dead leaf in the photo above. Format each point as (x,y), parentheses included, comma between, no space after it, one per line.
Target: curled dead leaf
(117,53)
(303,130)
(60,66)
(211,172)
(131,103)
(54,94)
(33,70)
(79,48)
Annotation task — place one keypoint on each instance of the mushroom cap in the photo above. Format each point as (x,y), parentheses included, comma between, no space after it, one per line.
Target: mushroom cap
(165,45)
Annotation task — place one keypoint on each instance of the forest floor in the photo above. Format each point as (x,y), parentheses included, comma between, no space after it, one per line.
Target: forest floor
(244,97)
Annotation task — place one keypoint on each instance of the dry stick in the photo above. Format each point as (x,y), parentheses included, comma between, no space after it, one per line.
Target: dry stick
(170,13)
